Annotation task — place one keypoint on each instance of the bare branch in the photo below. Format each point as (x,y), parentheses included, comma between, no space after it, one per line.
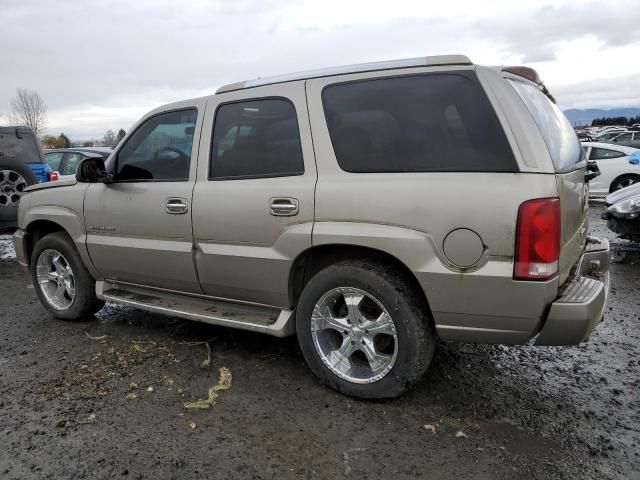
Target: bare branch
(28,109)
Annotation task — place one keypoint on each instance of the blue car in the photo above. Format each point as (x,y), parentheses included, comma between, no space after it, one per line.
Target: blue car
(21,165)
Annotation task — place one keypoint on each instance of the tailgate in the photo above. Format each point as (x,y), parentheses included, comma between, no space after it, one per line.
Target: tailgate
(574,206)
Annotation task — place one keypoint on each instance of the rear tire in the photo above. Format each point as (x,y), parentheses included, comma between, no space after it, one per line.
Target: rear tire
(15,176)
(623,181)
(365,329)
(61,281)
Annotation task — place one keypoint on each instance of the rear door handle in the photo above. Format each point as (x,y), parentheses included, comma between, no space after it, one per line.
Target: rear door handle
(283,206)
(177,206)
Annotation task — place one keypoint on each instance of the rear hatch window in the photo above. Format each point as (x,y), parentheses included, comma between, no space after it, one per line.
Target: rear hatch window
(438,122)
(561,139)
(22,149)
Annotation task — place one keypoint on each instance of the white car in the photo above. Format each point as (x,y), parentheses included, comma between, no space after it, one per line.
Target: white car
(616,170)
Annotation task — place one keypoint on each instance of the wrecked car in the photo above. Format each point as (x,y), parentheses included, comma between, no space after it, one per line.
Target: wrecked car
(622,212)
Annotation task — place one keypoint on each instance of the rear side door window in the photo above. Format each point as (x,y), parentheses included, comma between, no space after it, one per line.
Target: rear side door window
(256,139)
(159,150)
(419,123)
(604,153)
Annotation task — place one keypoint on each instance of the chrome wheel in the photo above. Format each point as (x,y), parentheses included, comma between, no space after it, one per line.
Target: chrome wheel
(55,279)
(354,335)
(12,185)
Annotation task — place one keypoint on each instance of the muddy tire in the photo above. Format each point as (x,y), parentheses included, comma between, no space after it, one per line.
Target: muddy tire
(365,329)
(60,279)
(14,178)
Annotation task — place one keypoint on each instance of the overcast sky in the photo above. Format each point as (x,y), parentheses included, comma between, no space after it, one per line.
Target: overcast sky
(101,64)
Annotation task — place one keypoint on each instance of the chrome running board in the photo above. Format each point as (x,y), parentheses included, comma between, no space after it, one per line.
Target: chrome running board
(271,321)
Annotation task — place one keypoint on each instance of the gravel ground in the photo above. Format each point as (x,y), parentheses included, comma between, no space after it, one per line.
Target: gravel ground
(6,247)
(105,398)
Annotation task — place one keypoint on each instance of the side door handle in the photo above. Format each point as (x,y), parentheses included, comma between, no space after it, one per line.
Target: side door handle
(283,207)
(177,206)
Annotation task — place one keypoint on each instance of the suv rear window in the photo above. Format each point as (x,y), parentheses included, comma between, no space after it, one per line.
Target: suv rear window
(422,123)
(22,149)
(560,137)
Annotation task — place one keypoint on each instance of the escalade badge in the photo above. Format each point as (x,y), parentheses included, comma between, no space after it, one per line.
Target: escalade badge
(103,228)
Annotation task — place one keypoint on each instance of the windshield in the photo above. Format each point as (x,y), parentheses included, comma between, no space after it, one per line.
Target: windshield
(561,139)
(22,149)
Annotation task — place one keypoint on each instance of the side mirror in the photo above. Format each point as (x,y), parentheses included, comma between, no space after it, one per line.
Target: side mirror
(92,170)
(593,169)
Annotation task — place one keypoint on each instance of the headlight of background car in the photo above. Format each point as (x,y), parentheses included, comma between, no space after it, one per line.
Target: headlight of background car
(629,208)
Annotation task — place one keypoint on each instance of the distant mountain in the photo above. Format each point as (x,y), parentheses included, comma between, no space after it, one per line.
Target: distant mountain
(579,117)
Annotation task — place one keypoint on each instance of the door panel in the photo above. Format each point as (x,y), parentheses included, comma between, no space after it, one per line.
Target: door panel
(140,231)
(245,239)
(132,238)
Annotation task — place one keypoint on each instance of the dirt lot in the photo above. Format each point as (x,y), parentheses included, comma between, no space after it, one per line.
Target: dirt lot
(105,398)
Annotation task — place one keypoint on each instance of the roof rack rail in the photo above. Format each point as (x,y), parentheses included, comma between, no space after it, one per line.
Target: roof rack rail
(357,68)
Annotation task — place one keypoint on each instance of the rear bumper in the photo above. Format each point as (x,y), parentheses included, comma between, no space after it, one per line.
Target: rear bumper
(581,305)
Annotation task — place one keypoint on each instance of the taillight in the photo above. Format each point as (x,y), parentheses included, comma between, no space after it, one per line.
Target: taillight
(537,240)
(53,176)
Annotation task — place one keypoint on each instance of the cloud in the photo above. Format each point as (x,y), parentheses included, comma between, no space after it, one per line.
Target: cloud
(534,35)
(101,64)
(609,93)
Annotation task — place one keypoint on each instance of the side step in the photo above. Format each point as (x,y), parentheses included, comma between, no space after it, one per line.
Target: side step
(269,320)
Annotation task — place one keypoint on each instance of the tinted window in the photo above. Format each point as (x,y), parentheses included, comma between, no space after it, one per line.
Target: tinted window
(559,136)
(258,138)
(160,149)
(437,122)
(22,149)
(602,153)
(53,159)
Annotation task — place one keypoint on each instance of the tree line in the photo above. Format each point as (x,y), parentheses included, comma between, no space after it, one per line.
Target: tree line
(622,121)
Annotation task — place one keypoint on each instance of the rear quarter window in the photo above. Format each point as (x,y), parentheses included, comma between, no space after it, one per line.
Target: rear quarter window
(421,123)
(559,136)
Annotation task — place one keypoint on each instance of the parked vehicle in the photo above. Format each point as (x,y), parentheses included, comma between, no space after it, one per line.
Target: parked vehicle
(605,137)
(629,139)
(584,137)
(328,204)
(616,171)
(66,160)
(623,212)
(21,165)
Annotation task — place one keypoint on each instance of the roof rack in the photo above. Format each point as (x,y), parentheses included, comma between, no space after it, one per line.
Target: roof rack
(357,68)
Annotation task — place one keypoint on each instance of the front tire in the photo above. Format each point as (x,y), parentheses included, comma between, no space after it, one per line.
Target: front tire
(61,281)
(365,329)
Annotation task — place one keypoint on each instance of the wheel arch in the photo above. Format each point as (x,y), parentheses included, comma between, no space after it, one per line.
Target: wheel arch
(43,220)
(316,258)
(36,230)
(623,175)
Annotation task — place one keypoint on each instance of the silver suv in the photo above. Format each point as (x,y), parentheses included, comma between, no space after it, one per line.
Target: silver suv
(370,209)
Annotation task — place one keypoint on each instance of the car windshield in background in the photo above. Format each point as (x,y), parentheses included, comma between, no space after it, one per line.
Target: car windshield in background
(561,139)
(23,149)
(418,123)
